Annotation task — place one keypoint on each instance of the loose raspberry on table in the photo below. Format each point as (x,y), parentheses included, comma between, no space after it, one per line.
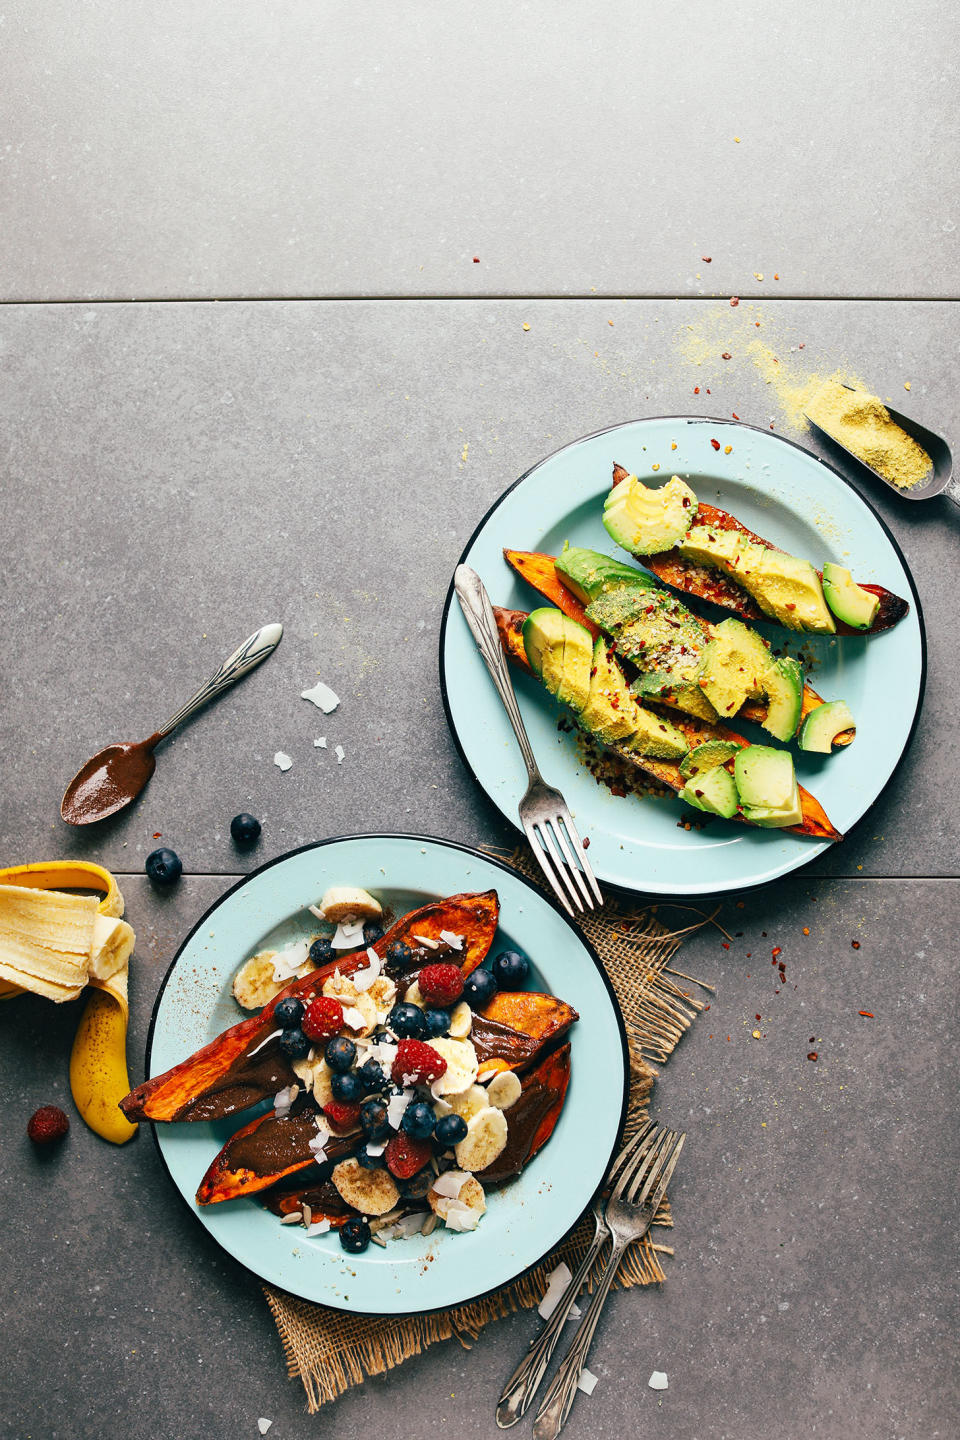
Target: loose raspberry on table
(417,1063)
(441,984)
(323,1018)
(404,1156)
(47,1124)
(342,1114)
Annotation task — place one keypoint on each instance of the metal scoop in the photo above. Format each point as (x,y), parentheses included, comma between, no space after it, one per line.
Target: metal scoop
(938,482)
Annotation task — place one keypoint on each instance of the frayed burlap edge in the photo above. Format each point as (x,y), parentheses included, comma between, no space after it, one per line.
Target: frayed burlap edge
(332,1351)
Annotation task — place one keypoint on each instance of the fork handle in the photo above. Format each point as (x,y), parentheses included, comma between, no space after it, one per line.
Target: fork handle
(478,613)
(525,1380)
(559,1399)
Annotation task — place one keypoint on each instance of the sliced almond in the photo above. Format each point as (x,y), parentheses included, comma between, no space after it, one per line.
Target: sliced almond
(372,1192)
(504,1090)
(485,1140)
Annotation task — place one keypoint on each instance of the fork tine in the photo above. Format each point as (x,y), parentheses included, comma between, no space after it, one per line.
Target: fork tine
(547,836)
(666,1173)
(582,854)
(546,865)
(646,1159)
(628,1153)
(565,846)
(640,1192)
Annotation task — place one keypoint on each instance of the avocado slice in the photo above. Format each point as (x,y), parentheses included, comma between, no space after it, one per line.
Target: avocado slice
(707,756)
(733,667)
(646,521)
(767,786)
(613,714)
(823,724)
(589,574)
(848,600)
(713,791)
(560,652)
(786,588)
(686,696)
(783,683)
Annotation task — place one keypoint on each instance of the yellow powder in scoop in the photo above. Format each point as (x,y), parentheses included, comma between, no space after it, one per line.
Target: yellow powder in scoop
(861,423)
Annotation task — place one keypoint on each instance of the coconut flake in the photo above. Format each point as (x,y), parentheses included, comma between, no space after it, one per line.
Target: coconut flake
(272,1036)
(320,1227)
(657,1381)
(454,941)
(461,1217)
(263,1425)
(587,1382)
(363,979)
(396,1106)
(406,1226)
(377,1149)
(282,760)
(557,1282)
(285,1098)
(322,696)
(354,1018)
(340,753)
(315,910)
(348,936)
(450,1183)
(287,962)
(320,743)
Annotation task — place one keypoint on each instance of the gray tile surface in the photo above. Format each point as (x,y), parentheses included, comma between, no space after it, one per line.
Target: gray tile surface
(815,1208)
(175,475)
(334,149)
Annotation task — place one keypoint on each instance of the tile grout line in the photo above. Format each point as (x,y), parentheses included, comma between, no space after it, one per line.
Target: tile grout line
(484,297)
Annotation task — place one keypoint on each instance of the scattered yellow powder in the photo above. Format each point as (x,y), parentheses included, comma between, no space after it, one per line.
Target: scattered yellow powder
(525,325)
(861,423)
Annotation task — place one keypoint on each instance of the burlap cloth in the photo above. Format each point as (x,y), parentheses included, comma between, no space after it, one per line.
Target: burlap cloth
(331,1351)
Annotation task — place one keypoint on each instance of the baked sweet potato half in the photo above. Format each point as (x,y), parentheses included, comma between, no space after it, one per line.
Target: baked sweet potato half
(532,1118)
(815,821)
(516,1027)
(226,1075)
(709,584)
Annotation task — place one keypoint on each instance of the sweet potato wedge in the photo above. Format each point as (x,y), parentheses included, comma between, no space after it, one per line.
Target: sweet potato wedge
(516,1027)
(815,821)
(540,571)
(263,1152)
(222,1077)
(682,574)
(531,1120)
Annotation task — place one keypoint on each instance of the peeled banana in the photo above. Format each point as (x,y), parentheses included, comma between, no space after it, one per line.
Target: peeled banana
(98,1067)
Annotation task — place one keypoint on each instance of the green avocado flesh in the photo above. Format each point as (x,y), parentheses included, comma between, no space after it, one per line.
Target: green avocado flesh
(848,600)
(707,756)
(589,573)
(767,786)
(785,588)
(560,653)
(733,667)
(823,724)
(646,521)
(713,791)
(783,683)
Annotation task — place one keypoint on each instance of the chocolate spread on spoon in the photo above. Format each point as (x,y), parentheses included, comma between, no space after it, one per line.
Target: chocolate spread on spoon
(109,780)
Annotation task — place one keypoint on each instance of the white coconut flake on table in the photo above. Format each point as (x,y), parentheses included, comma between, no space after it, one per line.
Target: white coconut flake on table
(363,979)
(320,743)
(587,1382)
(263,1425)
(340,753)
(657,1381)
(322,696)
(282,760)
(450,1183)
(454,941)
(557,1281)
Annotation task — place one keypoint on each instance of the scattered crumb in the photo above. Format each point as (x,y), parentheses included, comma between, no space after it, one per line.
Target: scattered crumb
(282,761)
(340,753)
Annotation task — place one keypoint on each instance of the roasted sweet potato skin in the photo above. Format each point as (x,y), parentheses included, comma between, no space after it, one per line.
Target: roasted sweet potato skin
(533,1118)
(177,1093)
(263,1152)
(516,1027)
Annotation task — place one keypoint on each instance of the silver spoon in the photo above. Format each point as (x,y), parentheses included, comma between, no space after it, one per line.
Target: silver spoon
(939,481)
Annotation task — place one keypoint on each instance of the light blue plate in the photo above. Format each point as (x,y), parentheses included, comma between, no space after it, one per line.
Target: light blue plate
(782,493)
(524,1219)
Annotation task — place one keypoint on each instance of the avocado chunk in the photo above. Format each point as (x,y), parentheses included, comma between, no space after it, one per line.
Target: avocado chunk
(824,724)
(684,695)
(733,667)
(589,574)
(612,714)
(713,791)
(848,600)
(560,652)
(646,521)
(783,683)
(767,787)
(785,588)
(707,756)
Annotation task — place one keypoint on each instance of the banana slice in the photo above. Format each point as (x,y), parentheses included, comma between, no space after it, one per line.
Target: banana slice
(414,997)
(372,1192)
(316,1076)
(341,902)
(485,1140)
(383,993)
(461,1021)
(341,988)
(468,1103)
(253,984)
(504,1090)
(463,1211)
(461,1068)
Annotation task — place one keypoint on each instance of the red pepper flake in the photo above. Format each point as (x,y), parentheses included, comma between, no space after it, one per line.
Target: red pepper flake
(812,1040)
(708,389)
(734,414)
(726,355)
(776,276)
(756,1017)
(806,929)
(715,443)
(867,1014)
(586,842)
(158,834)
(812,1055)
(734,301)
(706,259)
(706,1007)
(725,944)
(802,345)
(855,944)
(696,389)
(476,259)
(776,951)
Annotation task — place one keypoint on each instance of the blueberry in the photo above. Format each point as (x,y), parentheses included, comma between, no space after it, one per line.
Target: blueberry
(407,1022)
(510,970)
(437,1021)
(340,1053)
(355,1235)
(163,867)
(418,1121)
(289,1013)
(372,932)
(244,829)
(321,951)
(347,1087)
(368,1161)
(373,1120)
(374,1080)
(450,1130)
(294,1044)
(399,954)
(417,1186)
(479,989)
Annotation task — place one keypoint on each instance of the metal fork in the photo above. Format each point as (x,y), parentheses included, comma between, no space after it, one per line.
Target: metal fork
(544,814)
(525,1380)
(629,1217)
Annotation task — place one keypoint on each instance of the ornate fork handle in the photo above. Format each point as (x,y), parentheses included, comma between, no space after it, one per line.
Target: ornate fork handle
(478,613)
(254,649)
(559,1398)
(523,1383)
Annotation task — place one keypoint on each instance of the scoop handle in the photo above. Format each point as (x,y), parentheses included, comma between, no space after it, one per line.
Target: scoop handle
(255,648)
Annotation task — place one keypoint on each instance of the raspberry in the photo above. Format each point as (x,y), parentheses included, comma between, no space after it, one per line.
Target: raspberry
(417,1062)
(405,1156)
(47,1124)
(342,1114)
(441,984)
(323,1018)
